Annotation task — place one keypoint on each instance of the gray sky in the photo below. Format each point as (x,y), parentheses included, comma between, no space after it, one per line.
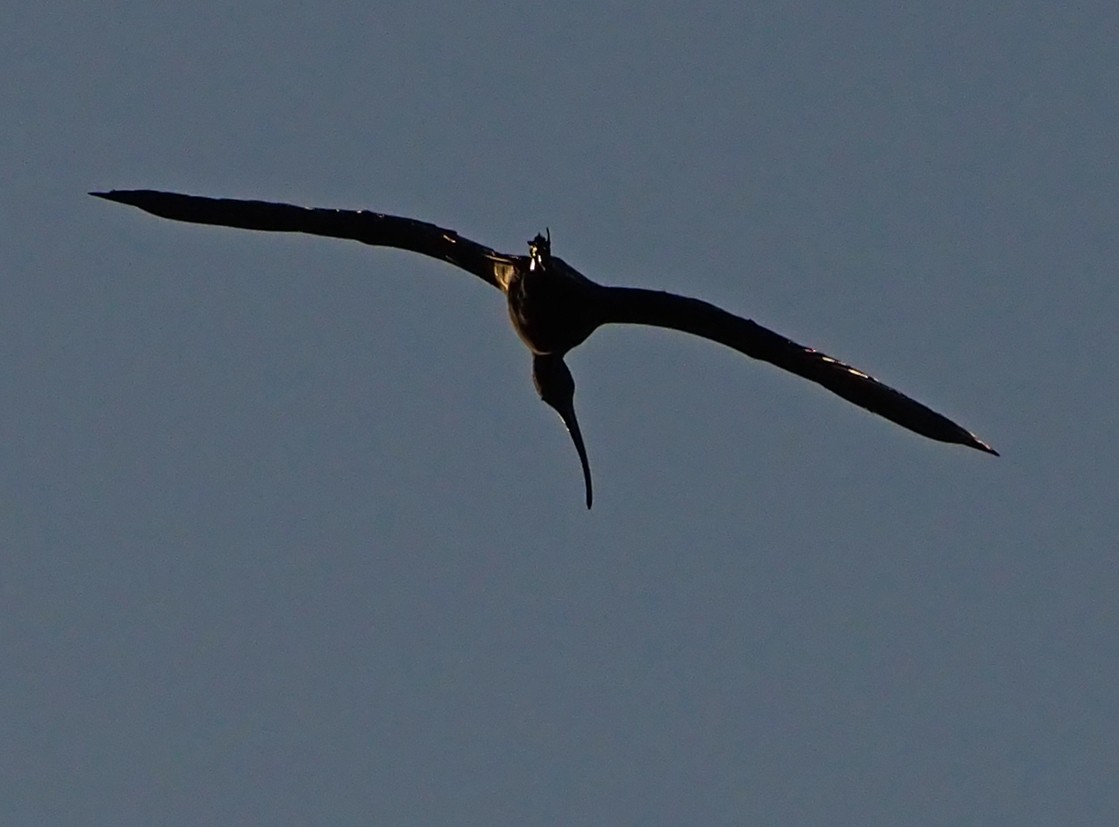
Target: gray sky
(288,538)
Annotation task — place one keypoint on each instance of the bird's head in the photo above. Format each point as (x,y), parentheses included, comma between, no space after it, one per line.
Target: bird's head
(540,250)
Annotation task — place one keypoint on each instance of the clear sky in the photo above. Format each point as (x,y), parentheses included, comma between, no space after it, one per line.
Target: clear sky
(287,537)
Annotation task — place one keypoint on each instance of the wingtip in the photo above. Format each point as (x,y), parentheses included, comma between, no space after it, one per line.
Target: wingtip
(980,445)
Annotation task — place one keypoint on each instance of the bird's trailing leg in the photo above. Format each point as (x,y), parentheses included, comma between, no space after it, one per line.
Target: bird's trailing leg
(556,386)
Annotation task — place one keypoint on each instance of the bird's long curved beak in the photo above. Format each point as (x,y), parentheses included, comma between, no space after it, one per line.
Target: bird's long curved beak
(572,424)
(556,387)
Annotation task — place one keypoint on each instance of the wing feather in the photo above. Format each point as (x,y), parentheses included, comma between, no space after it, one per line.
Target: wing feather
(650,307)
(373,228)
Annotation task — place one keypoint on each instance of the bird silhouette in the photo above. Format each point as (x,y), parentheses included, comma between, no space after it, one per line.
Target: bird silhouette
(554,307)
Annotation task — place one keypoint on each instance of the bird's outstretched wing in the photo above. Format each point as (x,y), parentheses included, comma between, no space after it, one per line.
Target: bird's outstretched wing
(651,307)
(367,227)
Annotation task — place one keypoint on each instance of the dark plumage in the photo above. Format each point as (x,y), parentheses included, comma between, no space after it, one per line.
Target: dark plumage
(553,307)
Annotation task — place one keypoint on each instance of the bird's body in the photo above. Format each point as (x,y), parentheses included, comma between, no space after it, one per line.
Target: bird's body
(554,307)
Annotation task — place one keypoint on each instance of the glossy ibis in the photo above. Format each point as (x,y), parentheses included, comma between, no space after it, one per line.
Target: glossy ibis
(554,307)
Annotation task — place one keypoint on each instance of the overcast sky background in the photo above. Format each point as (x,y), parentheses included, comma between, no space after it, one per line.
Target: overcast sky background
(288,538)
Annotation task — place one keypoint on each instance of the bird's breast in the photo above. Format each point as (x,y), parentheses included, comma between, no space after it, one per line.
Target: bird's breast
(552,309)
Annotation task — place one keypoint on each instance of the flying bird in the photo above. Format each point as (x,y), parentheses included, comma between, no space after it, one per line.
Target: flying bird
(554,307)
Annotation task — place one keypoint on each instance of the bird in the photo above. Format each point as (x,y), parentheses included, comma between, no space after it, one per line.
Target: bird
(554,308)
